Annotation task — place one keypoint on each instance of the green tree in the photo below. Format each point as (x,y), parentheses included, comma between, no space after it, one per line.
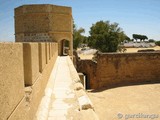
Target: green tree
(151,40)
(140,37)
(127,38)
(135,36)
(77,36)
(105,36)
(157,43)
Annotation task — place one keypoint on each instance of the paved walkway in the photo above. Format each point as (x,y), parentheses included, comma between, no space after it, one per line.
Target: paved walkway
(62,91)
(60,101)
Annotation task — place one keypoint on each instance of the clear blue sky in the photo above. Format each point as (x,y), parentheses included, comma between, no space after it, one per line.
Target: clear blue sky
(133,16)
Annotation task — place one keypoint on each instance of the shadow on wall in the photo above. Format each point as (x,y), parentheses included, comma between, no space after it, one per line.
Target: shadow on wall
(87,81)
(88,68)
(24,72)
(64,47)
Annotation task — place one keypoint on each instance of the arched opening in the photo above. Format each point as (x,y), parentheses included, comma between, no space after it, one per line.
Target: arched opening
(64,47)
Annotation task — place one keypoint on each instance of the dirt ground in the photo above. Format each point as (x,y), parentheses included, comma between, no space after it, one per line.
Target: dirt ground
(140,102)
(128,103)
(89,55)
(131,50)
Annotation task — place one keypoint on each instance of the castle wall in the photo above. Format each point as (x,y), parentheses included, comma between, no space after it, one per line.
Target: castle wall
(11,77)
(44,23)
(31,62)
(123,69)
(19,100)
(120,69)
(47,52)
(42,56)
(89,68)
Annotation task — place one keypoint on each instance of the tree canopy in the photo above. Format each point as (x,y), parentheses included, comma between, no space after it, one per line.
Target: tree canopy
(151,40)
(140,37)
(128,38)
(78,38)
(157,43)
(105,36)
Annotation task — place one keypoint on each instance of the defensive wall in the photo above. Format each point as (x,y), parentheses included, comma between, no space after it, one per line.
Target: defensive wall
(45,23)
(118,69)
(25,69)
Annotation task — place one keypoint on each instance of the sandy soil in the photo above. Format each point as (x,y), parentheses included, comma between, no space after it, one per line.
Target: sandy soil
(89,55)
(131,50)
(122,103)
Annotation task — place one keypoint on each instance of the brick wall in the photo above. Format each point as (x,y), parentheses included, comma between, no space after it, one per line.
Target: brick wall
(88,68)
(122,69)
(44,23)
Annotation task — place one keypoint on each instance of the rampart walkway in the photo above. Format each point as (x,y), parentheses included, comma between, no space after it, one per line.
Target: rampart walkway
(61,91)
(60,101)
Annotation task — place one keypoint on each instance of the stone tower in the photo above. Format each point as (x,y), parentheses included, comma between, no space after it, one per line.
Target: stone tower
(45,23)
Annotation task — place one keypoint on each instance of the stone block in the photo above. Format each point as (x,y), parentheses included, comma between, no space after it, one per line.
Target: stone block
(80,93)
(31,62)
(78,86)
(85,103)
(11,77)
(42,56)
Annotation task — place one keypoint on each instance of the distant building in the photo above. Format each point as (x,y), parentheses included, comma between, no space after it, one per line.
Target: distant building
(143,44)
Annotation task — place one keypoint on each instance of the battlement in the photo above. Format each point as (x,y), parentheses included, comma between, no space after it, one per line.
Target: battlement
(25,69)
(42,8)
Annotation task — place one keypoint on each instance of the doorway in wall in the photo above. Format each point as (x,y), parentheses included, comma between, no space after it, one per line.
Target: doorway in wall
(64,45)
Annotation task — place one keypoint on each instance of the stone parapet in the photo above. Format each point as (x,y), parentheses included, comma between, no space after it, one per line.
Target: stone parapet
(22,85)
(84,101)
(11,78)
(119,69)
(31,62)
(42,56)
(47,52)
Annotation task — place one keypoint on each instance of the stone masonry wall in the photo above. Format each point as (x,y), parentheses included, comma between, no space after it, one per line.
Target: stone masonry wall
(88,68)
(24,74)
(123,69)
(44,23)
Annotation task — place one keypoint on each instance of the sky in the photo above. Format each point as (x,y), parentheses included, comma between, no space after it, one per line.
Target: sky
(133,16)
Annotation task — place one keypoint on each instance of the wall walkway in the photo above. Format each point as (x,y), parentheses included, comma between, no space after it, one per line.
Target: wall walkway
(61,100)
(37,84)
